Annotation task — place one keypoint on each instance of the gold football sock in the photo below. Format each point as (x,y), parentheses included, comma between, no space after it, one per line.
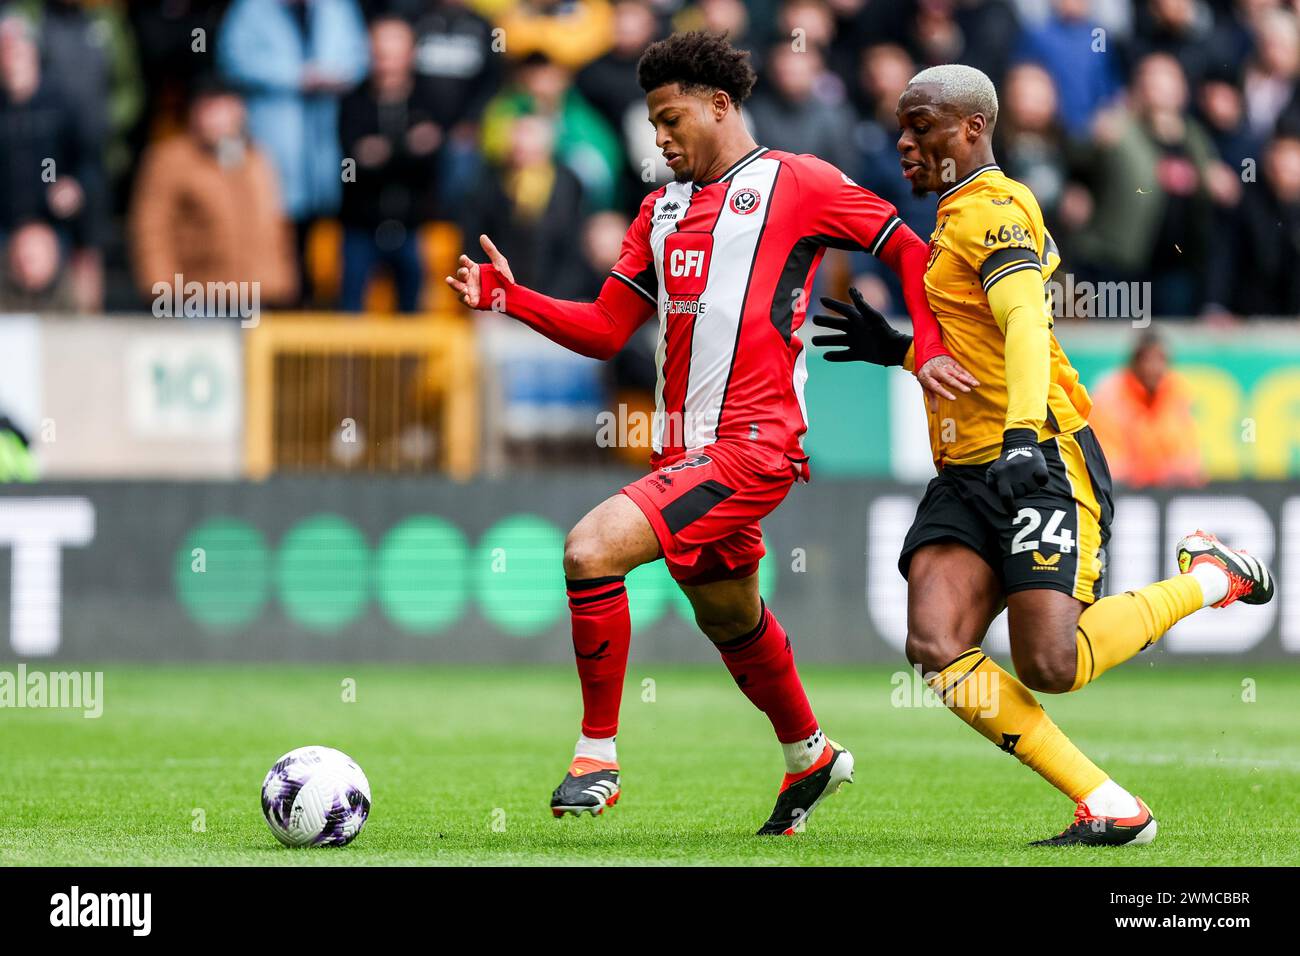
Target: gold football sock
(1001,708)
(1117,627)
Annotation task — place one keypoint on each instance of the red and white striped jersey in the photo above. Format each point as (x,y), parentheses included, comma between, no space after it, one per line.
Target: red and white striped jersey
(729,265)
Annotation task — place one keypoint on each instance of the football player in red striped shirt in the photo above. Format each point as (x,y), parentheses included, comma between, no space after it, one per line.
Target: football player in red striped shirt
(724,257)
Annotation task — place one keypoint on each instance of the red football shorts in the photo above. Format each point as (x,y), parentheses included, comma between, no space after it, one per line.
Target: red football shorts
(705,507)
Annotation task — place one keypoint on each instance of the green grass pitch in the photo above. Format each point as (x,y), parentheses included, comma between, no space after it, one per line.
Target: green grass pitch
(462,761)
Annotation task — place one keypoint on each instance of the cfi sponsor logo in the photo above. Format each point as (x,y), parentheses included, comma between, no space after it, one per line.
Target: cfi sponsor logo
(745,201)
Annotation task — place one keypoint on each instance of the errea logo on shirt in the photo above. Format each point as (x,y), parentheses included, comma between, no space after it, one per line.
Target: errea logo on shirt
(668,210)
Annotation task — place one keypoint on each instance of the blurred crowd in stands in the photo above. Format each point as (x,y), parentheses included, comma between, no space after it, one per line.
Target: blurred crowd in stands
(313,145)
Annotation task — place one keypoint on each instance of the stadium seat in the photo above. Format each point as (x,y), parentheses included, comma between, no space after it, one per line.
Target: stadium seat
(324,254)
(441,244)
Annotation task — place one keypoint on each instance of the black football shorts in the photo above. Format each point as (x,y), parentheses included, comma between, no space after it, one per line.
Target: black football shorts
(1055,539)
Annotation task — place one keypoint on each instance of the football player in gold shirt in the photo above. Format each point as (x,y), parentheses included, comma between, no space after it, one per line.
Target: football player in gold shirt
(1020,512)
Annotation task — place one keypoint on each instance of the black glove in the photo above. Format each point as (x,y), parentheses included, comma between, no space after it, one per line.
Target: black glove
(864,333)
(1021,469)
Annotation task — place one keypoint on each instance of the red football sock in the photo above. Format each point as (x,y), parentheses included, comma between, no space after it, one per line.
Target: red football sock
(602,631)
(763,666)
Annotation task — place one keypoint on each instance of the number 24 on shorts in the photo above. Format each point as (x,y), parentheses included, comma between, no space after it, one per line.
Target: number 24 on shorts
(1053,533)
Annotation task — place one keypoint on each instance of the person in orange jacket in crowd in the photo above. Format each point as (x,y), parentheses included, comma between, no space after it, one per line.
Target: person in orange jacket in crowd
(1142,415)
(207,206)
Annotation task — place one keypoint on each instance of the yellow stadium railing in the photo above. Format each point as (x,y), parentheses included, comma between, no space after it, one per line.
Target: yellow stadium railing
(328,392)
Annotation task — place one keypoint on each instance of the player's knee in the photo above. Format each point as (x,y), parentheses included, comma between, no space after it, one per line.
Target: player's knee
(584,556)
(931,651)
(1048,672)
(726,626)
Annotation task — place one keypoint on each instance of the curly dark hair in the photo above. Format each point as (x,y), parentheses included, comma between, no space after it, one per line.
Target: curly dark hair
(699,61)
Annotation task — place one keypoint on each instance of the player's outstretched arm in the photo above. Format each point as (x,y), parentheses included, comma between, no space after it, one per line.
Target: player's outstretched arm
(865,336)
(595,329)
(1017,305)
(941,375)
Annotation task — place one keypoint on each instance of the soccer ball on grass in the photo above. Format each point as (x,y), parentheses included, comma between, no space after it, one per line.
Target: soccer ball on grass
(315,796)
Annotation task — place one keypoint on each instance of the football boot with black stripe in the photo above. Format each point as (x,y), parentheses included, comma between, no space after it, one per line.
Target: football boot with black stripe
(1090,829)
(802,792)
(1249,580)
(589,787)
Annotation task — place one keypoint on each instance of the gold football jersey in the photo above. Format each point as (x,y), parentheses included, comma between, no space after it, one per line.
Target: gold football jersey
(987,227)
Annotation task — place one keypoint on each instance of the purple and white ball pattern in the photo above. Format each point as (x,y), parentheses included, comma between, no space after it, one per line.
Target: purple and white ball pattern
(315,796)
